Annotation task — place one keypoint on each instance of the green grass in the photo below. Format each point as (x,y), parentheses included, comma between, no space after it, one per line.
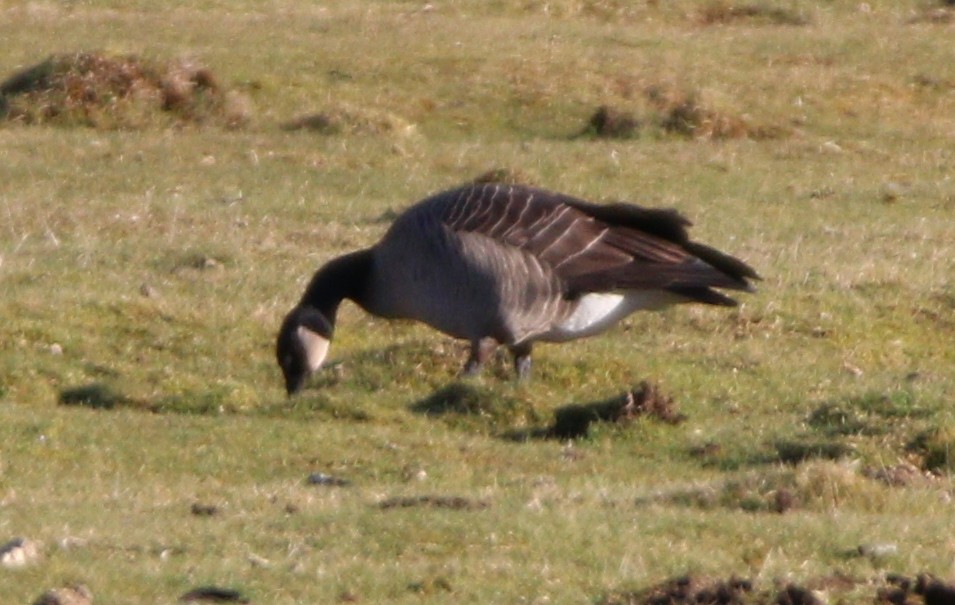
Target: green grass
(144,272)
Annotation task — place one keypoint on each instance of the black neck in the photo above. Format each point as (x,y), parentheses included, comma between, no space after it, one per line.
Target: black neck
(343,277)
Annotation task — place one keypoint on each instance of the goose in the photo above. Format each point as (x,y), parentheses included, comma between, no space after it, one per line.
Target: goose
(499,264)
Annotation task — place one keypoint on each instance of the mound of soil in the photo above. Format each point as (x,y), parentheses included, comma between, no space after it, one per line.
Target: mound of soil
(102,91)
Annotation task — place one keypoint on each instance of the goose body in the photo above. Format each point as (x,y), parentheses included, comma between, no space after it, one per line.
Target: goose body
(511,265)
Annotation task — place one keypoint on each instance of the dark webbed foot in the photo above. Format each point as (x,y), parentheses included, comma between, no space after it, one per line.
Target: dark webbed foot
(522,361)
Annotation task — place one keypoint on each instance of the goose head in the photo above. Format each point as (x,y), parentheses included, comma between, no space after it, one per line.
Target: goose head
(302,345)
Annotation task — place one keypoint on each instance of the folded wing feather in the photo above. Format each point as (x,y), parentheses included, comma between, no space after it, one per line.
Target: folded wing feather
(594,248)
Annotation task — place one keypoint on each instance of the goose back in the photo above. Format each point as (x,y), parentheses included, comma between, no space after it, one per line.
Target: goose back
(518,263)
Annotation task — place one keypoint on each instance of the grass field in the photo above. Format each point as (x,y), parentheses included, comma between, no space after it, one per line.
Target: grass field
(147,444)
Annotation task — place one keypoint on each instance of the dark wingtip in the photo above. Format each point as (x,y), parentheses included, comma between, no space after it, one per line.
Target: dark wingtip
(729,265)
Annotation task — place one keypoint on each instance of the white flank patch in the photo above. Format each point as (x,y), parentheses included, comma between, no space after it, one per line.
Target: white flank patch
(599,311)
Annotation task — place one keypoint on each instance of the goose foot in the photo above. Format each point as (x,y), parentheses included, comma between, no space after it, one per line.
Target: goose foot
(522,361)
(481,351)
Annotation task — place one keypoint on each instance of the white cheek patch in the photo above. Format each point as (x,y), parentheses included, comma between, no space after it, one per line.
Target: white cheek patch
(315,345)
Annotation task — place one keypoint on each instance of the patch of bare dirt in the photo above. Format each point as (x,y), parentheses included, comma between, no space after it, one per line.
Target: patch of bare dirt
(99,90)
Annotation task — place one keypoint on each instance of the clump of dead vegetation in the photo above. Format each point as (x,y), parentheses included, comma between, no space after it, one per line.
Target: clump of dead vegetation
(98,90)
(721,12)
(647,400)
(672,111)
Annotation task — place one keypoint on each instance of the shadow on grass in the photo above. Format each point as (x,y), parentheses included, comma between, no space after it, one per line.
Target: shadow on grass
(789,451)
(96,395)
(468,405)
(103,396)
(846,427)
(475,407)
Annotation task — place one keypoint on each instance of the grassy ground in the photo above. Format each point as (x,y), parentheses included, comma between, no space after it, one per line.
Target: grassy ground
(143,272)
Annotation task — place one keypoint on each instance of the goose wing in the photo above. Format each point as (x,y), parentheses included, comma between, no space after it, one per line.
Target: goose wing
(597,248)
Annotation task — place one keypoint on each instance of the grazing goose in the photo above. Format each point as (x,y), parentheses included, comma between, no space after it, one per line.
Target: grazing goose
(512,265)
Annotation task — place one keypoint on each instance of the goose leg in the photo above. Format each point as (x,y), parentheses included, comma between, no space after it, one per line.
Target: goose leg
(522,360)
(481,350)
